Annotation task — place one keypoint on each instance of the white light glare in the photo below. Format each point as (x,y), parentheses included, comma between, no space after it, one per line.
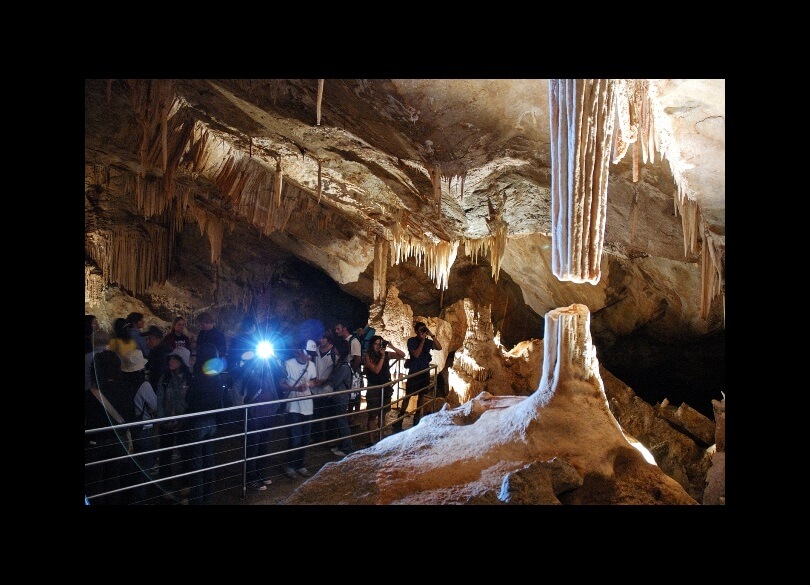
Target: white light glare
(264,350)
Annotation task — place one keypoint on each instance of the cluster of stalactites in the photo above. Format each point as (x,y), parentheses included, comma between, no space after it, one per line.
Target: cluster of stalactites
(712,274)
(455,185)
(635,124)
(712,252)
(211,227)
(498,232)
(438,257)
(93,285)
(494,245)
(152,101)
(172,138)
(581,115)
(469,366)
(133,258)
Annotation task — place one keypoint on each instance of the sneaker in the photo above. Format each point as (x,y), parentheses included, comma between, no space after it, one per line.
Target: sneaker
(258,486)
(305,472)
(337,452)
(290,472)
(267,482)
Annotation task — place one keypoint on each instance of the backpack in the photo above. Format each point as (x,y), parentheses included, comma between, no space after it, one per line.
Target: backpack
(364,341)
(351,380)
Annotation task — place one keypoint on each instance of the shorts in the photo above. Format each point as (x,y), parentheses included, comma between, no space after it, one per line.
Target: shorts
(376,396)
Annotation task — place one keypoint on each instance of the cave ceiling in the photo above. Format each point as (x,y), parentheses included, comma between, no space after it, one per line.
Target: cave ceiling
(323,171)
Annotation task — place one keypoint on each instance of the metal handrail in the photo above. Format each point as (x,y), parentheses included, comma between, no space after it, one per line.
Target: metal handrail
(120,430)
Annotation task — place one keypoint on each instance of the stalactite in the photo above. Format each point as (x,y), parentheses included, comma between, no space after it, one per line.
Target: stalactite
(152,101)
(93,285)
(150,196)
(438,257)
(133,258)
(634,124)
(288,207)
(164,138)
(320,97)
(689,212)
(380,269)
(498,230)
(178,210)
(211,227)
(474,247)
(182,137)
(277,184)
(436,177)
(226,176)
(581,115)
(199,151)
(468,365)
(712,273)
(712,254)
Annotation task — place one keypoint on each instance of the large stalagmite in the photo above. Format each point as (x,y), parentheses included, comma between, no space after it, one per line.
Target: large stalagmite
(560,445)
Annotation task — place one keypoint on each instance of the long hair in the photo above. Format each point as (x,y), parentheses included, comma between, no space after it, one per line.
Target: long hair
(342,347)
(372,352)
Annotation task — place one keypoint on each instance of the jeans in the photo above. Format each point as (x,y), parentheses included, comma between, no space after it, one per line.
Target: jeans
(201,456)
(340,407)
(259,419)
(299,437)
(322,407)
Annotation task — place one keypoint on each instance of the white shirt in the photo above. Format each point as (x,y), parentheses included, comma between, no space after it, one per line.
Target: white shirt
(324,366)
(294,370)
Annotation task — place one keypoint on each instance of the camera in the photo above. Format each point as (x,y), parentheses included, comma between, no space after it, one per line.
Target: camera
(383,344)
(422,329)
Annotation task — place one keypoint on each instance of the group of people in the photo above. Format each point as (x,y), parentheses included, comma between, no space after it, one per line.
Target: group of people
(134,375)
(139,376)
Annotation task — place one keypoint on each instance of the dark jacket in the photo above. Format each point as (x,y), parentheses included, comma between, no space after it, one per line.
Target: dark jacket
(207,388)
(157,364)
(216,338)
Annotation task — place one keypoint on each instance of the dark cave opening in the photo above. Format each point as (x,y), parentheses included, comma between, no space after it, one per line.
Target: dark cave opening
(693,372)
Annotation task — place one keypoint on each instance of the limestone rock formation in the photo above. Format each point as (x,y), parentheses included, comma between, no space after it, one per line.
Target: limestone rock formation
(310,201)
(561,444)
(715,492)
